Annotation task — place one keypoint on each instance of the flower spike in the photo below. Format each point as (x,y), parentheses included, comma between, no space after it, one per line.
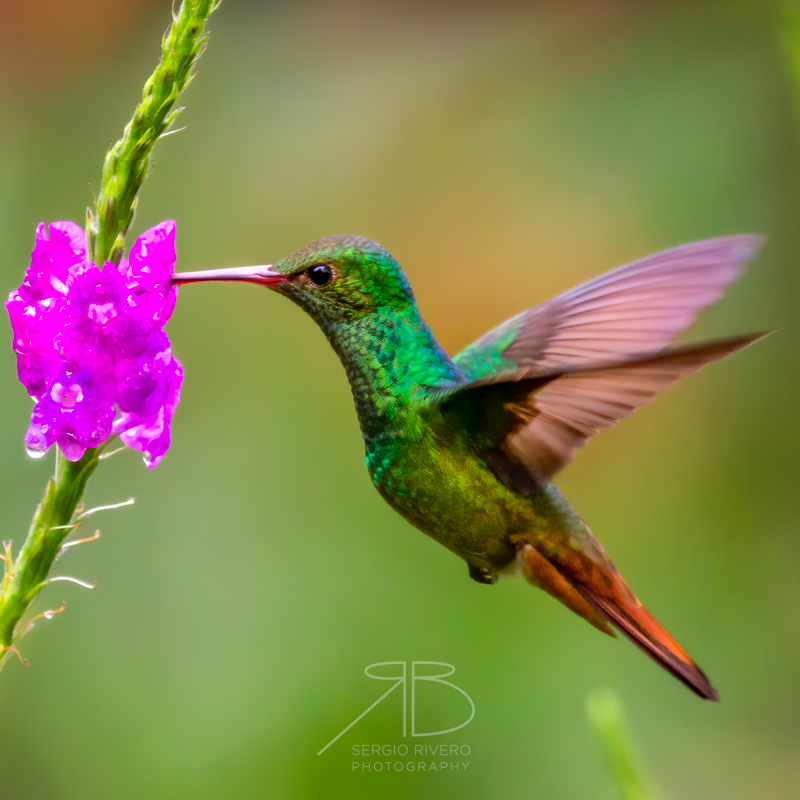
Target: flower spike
(88,329)
(92,538)
(12,649)
(72,580)
(63,548)
(105,455)
(82,515)
(49,614)
(90,344)
(71,526)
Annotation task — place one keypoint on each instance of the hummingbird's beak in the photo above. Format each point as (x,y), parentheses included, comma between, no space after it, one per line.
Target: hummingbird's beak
(262,275)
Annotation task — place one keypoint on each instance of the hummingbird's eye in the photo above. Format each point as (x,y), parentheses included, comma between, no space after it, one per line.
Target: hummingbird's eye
(320,274)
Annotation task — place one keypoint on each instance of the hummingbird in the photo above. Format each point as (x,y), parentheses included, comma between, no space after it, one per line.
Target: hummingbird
(466,448)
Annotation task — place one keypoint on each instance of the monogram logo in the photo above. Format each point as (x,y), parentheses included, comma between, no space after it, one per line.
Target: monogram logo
(403,680)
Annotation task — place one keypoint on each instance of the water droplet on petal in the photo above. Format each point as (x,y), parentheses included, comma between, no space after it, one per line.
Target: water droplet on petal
(34,453)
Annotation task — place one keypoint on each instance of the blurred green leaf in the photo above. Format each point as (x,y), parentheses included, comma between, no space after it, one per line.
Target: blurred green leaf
(623,762)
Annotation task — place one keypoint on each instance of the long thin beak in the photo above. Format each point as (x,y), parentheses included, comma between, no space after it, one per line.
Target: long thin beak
(262,275)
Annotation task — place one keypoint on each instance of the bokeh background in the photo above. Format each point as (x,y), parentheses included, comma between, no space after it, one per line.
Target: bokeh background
(504,152)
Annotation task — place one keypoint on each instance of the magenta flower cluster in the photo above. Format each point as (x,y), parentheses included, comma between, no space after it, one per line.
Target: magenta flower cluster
(90,344)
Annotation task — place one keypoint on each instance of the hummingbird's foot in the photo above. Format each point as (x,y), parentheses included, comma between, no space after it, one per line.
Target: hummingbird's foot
(482,575)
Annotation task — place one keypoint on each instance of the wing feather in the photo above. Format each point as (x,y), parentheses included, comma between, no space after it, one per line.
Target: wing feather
(632,310)
(545,418)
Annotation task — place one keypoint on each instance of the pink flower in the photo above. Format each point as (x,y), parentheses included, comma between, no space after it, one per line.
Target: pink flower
(90,342)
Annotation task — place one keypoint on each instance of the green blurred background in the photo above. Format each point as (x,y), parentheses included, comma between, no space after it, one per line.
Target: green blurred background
(503,152)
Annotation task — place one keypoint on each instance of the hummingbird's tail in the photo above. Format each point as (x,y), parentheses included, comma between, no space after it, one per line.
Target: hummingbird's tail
(601,596)
(631,618)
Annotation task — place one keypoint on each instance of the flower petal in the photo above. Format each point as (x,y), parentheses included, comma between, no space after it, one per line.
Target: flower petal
(38,361)
(36,307)
(87,338)
(60,251)
(150,266)
(77,412)
(148,432)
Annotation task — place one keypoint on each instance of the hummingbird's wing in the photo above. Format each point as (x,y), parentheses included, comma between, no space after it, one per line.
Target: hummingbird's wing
(635,309)
(530,424)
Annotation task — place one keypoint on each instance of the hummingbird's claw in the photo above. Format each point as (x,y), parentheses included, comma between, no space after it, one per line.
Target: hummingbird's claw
(482,575)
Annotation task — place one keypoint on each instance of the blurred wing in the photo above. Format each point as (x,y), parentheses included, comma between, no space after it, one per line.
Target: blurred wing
(635,309)
(531,425)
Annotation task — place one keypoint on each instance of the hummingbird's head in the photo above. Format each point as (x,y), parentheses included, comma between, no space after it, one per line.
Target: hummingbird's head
(343,277)
(335,279)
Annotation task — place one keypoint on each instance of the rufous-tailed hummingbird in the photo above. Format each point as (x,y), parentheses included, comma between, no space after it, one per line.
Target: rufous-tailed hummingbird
(465,448)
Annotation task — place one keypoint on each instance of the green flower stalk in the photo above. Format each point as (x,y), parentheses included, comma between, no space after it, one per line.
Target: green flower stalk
(128,161)
(622,760)
(88,341)
(55,517)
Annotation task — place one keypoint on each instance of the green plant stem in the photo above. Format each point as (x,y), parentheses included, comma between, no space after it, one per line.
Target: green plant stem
(126,166)
(608,721)
(128,161)
(52,523)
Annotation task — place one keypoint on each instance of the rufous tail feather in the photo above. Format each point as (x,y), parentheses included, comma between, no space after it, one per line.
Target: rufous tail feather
(632,619)
(614,603)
